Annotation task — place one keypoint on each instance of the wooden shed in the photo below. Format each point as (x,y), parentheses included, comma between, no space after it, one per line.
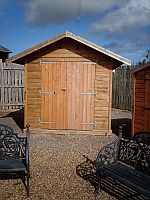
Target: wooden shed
(68,84)
(141,99)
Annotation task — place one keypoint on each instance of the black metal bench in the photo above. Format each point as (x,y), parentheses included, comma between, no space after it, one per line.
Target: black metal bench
(14,155)
(128,162)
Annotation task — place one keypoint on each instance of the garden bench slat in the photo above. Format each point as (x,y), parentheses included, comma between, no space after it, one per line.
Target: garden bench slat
(126,172)
(130,182)
(11,166)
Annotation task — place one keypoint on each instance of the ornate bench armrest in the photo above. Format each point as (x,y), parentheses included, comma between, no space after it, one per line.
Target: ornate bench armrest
(108,154)
(24,147)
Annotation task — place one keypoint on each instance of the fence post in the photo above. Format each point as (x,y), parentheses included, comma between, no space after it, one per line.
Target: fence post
(2,86)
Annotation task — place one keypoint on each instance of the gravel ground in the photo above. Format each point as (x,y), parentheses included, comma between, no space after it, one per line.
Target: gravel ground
(120,114)
(54,160)
(59,170)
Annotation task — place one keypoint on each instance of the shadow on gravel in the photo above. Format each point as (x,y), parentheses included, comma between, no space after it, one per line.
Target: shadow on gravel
(87,171)
(126,124)
(18,117)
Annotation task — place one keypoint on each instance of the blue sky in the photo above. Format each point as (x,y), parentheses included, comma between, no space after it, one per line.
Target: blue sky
(122,26)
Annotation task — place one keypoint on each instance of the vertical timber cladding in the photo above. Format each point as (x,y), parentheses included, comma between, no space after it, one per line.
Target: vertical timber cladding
(139,101)
(147,101)
(67,95)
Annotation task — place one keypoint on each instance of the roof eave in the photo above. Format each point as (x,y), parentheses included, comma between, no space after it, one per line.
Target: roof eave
(98,48)
(142,67)
(4,49)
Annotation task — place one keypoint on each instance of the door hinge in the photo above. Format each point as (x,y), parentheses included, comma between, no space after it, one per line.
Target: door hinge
(89,123)
(41,92)
(89,93)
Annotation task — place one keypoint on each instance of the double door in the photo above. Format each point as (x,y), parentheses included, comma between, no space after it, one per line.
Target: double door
(67,95)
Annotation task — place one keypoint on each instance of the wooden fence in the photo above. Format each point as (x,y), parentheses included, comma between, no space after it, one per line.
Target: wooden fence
(122,88)
(11,86)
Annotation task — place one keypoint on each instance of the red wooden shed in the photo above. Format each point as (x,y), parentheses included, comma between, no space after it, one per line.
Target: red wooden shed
(141,99)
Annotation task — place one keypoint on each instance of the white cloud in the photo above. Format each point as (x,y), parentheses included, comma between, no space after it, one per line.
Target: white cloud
(135,14)
(128,27)
(125,22)
(134,49)
(44,12)
(129,47)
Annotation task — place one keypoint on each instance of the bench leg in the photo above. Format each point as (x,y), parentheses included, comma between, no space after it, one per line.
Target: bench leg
(28,186)
(98,189)
(25,179)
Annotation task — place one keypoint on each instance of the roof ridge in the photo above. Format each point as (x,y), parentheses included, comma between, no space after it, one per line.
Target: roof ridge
(72,36)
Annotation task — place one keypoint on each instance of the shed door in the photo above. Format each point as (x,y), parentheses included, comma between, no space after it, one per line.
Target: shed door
(67,95)
(53,111)
(147,102)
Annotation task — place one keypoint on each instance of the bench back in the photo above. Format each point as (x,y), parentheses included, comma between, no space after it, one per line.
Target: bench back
(136,152)
(11,146)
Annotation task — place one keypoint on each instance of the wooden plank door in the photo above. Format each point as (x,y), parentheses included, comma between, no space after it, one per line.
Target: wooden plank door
(147,102)
(80,95)
(53,111)
(67,95)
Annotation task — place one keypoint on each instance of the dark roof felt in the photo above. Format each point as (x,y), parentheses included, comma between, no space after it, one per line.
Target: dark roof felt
(141,67)
(5,50)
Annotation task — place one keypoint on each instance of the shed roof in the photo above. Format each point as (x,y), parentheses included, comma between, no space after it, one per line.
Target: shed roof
(67,34)
(4,49)
(141,67)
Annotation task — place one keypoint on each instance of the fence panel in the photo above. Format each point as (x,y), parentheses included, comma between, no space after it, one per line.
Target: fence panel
(11,86)
(122,88)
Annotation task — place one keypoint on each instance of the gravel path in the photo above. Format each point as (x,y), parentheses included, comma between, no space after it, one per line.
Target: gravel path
(59,171)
